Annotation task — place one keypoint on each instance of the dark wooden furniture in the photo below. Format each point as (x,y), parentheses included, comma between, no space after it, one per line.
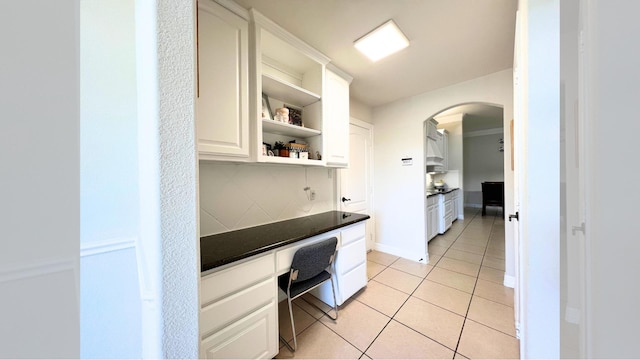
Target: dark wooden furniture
(492,195)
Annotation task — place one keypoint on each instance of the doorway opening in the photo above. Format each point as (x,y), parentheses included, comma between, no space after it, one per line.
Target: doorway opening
(474,152)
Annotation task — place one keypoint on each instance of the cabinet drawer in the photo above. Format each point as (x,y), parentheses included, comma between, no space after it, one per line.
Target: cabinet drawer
(253,337)
(228,281)
(236,306)
(352,233)
(285,256)
(351,282)
(350,256)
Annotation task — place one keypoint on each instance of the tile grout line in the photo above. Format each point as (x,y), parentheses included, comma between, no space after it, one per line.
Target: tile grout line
(474,288)
(409,297)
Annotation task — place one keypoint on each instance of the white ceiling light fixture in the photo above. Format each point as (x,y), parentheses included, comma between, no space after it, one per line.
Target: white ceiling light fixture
(383,41)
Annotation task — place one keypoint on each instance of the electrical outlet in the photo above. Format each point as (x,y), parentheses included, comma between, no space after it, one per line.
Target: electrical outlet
(313,194)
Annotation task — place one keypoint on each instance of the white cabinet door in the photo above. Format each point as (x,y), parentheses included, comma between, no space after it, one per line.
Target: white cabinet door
(445,151)
(350,266)
(336,120)
(253,337)
(222,107)
(432,129)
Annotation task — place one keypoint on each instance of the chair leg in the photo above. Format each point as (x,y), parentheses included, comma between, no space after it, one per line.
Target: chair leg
(293,326)
(335,303)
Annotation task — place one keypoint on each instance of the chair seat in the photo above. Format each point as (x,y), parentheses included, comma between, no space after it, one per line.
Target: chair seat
(302,286)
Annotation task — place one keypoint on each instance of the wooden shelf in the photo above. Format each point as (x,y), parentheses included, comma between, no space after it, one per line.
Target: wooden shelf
(285,91)
(280,128)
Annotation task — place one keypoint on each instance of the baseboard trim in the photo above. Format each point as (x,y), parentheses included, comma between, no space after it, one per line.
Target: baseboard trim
(399,252)
(38,269)
(509,281)
(107,246)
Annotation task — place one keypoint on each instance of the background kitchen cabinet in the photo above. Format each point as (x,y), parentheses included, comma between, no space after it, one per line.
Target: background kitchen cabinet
(432,129)
(446,207)
(443,145)
(336,117)
(433,216)
(222,106)
(455,201)
(289,72)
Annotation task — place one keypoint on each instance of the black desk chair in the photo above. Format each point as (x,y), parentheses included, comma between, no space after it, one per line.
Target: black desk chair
(308,271)
(492,195)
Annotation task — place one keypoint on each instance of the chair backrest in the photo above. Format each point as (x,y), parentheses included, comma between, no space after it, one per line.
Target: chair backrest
(312,259)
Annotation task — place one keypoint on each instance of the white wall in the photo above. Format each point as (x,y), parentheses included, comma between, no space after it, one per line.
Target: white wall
(539,164)
(360,111)
(400,189)
(612,78)
(483,162)
(234,196)
(110,319)
(39,177)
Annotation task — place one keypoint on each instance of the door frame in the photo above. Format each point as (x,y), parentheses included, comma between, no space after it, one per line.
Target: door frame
(371,234)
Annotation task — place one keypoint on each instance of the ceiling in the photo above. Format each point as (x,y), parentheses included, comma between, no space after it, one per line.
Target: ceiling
(451,41)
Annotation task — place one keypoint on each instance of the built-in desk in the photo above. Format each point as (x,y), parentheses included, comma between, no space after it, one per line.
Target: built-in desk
(239,292)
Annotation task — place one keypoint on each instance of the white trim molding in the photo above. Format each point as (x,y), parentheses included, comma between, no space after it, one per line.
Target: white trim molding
(509,281)
(107,246)
(36,269)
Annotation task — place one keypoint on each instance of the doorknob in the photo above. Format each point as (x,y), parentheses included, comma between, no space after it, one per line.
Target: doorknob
(514,216)
(345,199)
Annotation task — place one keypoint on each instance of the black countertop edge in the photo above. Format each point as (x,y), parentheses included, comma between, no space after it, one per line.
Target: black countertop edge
(225,248)
(432,193)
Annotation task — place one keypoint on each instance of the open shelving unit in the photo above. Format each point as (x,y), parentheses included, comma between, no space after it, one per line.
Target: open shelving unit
(290,73)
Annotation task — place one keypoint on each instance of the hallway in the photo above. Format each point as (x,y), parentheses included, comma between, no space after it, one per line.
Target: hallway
(453,307)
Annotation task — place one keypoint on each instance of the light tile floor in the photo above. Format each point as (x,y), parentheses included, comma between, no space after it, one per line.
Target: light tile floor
(453,307)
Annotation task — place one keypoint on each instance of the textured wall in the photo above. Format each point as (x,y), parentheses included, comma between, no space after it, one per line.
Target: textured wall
(179,242)
(236,196)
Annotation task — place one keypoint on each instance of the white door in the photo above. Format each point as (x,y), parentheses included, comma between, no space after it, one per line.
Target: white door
(355,181)
(573,251)
(516,153)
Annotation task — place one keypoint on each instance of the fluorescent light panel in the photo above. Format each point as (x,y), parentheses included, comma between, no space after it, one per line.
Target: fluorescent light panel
(383,41)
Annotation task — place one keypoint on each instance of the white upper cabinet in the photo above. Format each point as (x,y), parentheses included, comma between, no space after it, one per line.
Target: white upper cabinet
(432,129)
(443,146)
(222,106)
(336,117)
(288,73)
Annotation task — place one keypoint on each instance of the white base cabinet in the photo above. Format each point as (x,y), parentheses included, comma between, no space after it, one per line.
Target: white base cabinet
(433,214)
(350,266)
(239,303)
(238,315)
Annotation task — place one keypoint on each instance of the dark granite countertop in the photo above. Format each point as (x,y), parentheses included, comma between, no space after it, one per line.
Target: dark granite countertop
(437,192)
(224,248)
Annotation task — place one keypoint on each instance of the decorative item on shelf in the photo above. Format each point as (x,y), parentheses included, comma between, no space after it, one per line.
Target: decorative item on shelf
(295,115)
(266,148)
(277,148)
(318,156)
(303,155)
(501,147)
(266,108)
(310,153)
(282,115)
